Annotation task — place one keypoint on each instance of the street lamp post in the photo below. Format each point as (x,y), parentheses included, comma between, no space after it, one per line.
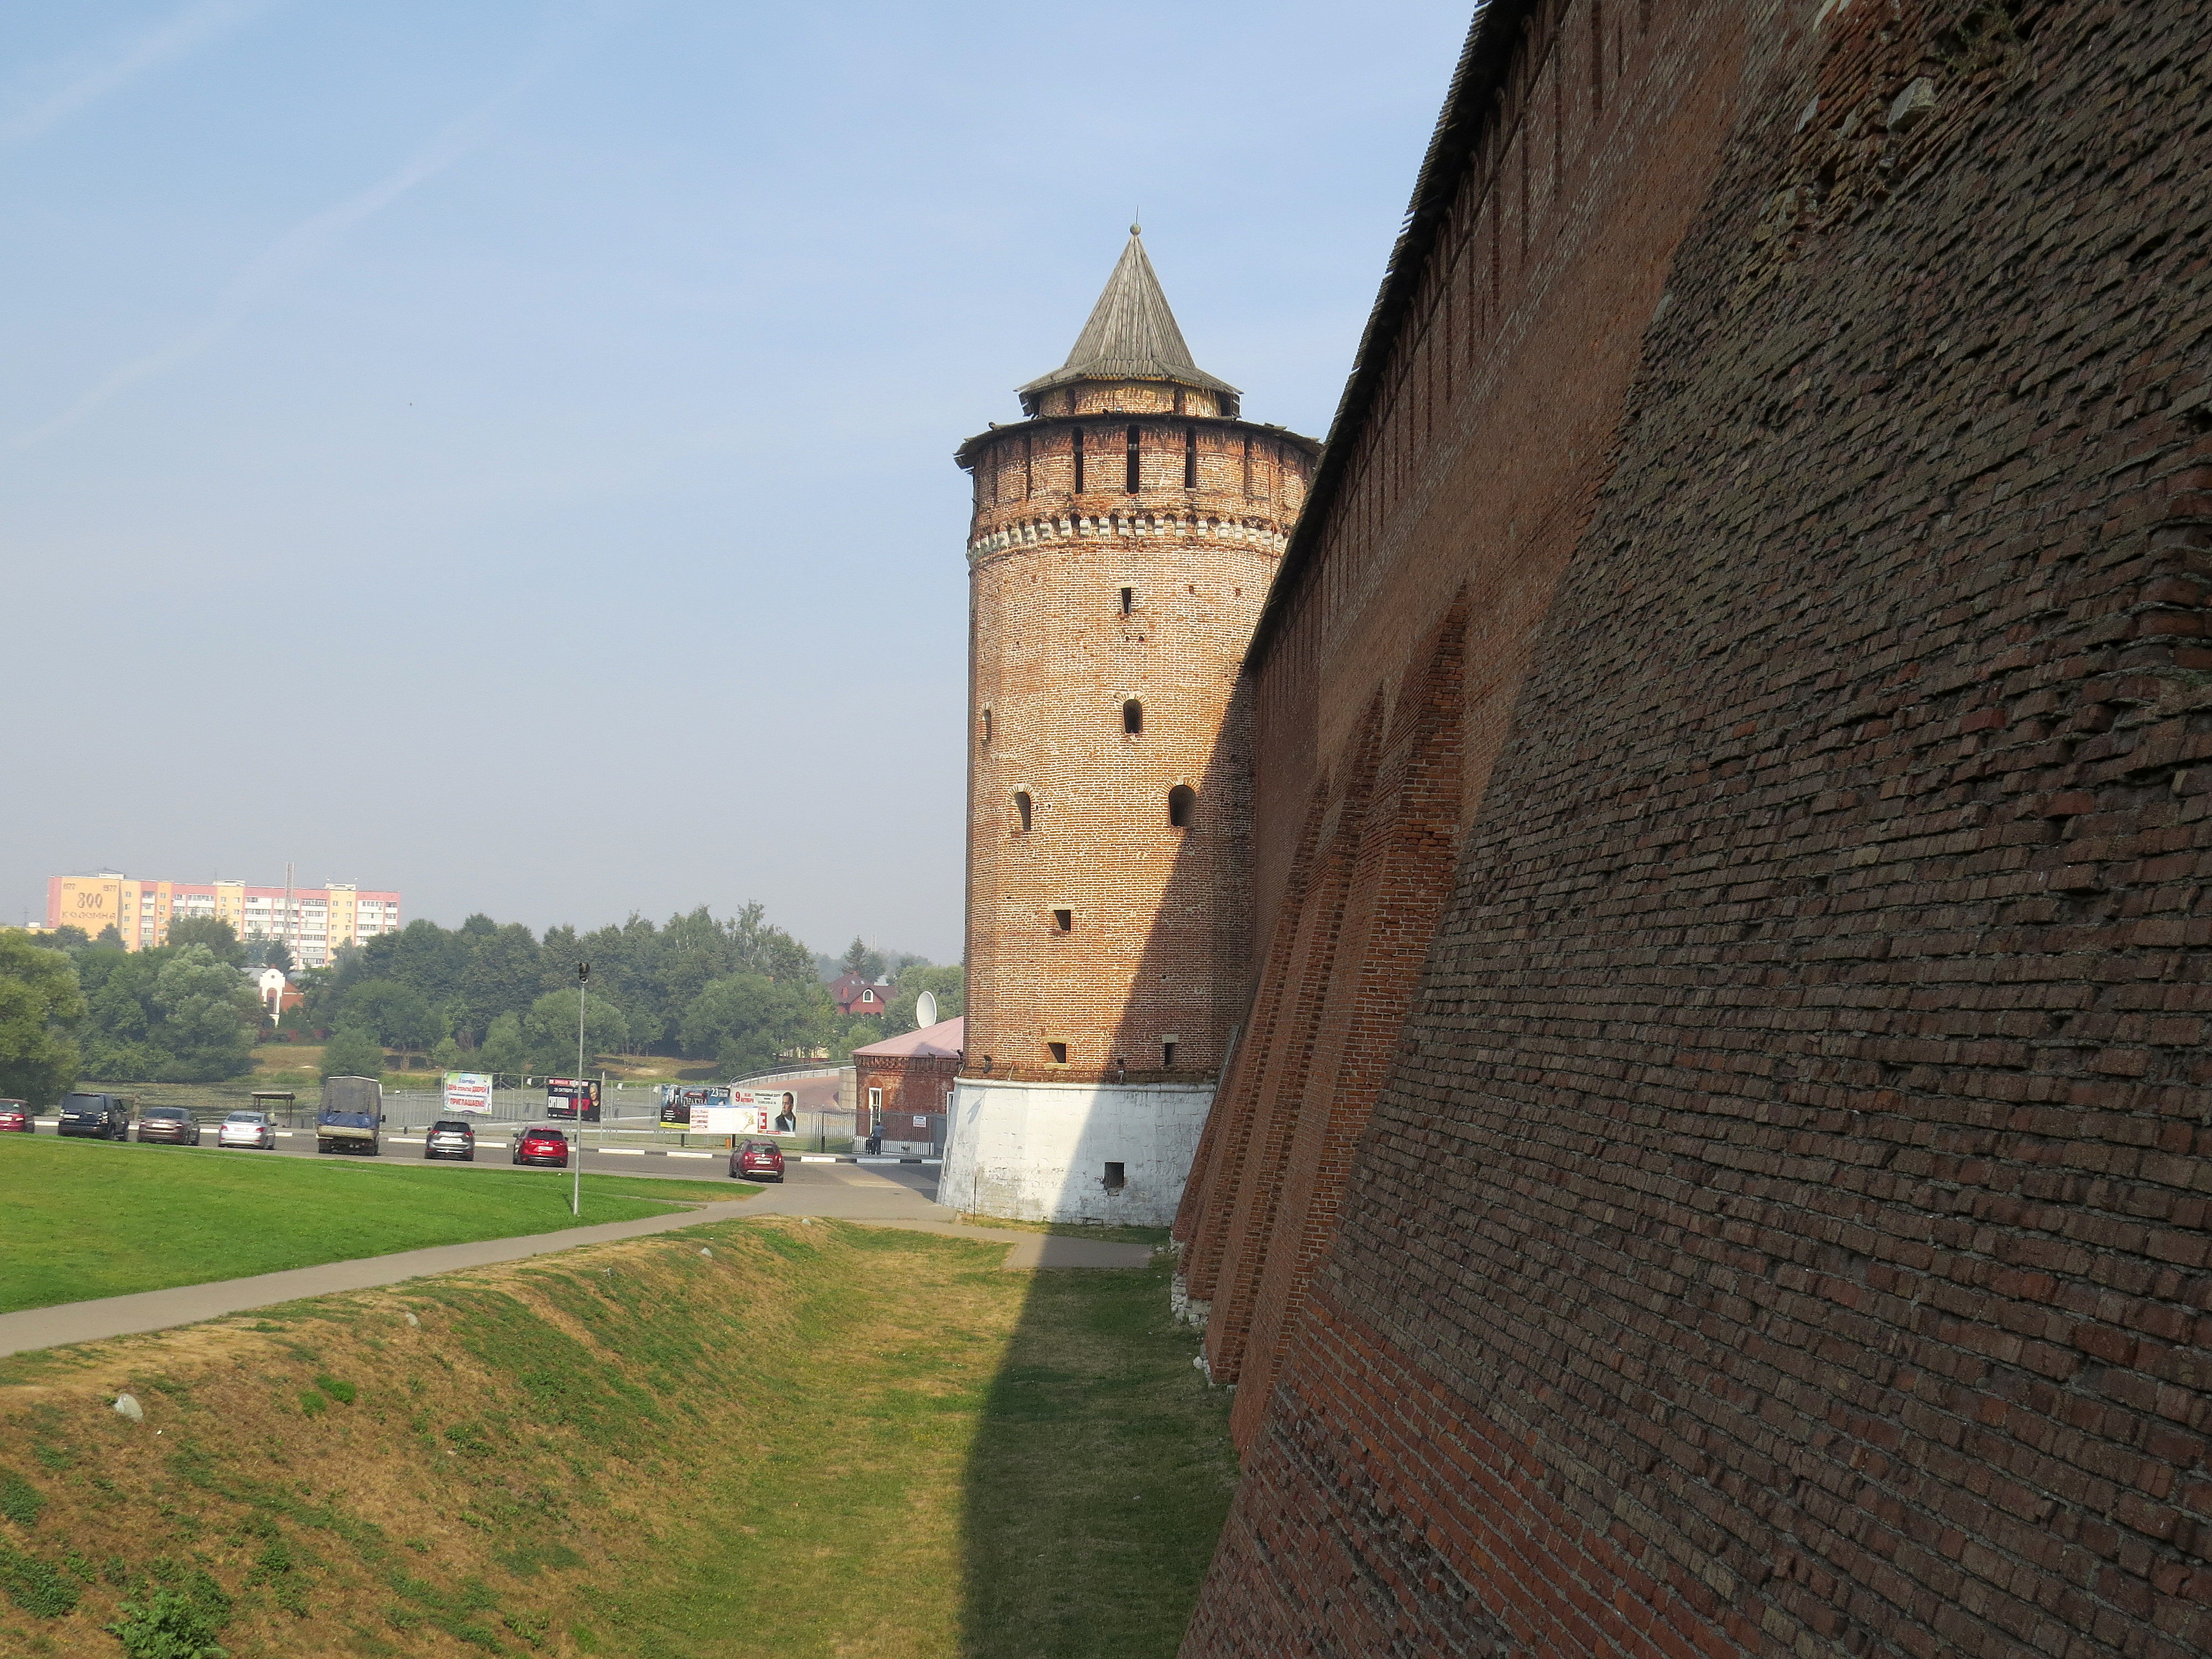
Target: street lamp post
(576,1186)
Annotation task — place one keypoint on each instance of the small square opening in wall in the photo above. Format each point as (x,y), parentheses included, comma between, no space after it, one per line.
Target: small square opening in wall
(1058,1051)
(1114,1179)
(1064,920)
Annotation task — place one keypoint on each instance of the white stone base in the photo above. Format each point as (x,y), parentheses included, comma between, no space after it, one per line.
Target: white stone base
(1038,1152)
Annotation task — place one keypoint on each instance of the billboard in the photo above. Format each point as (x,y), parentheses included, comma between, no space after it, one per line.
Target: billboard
(741,1115)
(573,1096)
(468,1093)
(677,1102)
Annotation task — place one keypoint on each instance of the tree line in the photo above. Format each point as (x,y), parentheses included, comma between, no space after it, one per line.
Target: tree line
(736,991)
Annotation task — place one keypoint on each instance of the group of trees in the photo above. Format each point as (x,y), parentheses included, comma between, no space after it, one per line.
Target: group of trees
(73,1008)
(736,990)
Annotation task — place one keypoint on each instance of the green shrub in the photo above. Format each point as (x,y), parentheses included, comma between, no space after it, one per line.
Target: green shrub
(176,1624)
(311,1402)
(34,1586)
(341,1392)
(469,1441)
(19,1499)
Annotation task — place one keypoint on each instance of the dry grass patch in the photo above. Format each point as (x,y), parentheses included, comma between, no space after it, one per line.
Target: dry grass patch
(816,1440)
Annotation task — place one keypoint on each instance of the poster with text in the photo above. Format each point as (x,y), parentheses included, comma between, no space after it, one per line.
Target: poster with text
(468,1094)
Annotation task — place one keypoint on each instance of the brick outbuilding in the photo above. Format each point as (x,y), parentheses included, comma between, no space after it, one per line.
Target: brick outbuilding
(903,1087)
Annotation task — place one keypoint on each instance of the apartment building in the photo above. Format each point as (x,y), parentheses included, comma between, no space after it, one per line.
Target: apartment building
(314,922)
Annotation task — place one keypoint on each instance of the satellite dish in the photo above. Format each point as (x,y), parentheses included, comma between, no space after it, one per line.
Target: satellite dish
(925,1008)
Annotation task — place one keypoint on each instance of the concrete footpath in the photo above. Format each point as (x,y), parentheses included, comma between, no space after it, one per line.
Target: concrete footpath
(854,1195)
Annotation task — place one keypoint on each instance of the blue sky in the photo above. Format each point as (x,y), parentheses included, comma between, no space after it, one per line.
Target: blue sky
(502,452)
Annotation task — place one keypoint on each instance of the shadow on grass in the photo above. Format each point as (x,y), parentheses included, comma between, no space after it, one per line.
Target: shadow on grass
(1100,1477)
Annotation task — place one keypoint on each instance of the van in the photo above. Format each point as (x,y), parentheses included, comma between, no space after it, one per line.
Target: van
(104,1116)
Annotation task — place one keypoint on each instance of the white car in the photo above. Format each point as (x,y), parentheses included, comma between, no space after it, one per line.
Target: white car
(248,1129)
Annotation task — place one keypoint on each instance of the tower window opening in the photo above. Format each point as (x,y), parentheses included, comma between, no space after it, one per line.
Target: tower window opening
(1132,718)
(1063,921)
(1079,461)
(1167,1053)
(1022,808)
(1190,457)
(1116,1180)
(1248,469)
(1183,806)
(1128,597)
(1135,477)
(1058,1051)
(987,725)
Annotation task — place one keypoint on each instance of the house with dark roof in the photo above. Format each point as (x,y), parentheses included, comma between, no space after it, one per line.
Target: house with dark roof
(855,995)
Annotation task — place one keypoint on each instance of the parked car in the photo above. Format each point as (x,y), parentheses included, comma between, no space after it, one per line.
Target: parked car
(15,1118)
(172,1124)
(105,1116)
(756,1160)
(542,1143)
(450,1138)
(256,1129)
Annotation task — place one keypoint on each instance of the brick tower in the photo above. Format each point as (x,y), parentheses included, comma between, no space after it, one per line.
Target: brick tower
(1123,538)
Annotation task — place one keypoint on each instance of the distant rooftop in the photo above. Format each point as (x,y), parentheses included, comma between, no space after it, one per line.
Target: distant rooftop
(1131,334)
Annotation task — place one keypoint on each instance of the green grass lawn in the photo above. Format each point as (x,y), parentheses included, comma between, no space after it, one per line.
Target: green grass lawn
(1017,1465)
(89,1219)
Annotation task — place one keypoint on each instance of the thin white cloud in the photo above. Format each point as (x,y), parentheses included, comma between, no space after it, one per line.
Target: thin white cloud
(297,249)
(141,55)
(313,238)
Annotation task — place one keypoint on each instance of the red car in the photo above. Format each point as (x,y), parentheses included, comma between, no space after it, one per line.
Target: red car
(542,1143)
(15,1118)
(756,1160)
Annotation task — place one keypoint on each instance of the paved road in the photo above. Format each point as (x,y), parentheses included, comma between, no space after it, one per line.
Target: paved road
(494,1143)
(893,1196)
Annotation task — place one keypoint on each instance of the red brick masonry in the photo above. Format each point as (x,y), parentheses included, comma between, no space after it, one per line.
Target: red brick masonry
(1755,1201)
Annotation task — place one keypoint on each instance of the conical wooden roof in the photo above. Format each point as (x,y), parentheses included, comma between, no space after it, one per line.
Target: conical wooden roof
(1132,334)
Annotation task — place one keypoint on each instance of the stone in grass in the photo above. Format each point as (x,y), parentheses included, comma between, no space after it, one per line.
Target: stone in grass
(126,1405)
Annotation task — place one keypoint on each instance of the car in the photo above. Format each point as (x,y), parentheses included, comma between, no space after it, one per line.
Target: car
(542,1143)
(756,1160)
(15,1118)
(172,1124)
(256,1129)
(104,1116)
(450,1138)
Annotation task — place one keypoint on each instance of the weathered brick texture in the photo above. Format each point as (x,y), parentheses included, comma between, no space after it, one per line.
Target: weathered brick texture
(1781,1229)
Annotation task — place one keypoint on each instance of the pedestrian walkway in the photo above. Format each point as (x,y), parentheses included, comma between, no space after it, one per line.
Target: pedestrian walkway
(854,1195)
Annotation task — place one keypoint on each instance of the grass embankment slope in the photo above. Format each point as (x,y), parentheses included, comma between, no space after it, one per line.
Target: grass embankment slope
(89,1219)
(835,1442)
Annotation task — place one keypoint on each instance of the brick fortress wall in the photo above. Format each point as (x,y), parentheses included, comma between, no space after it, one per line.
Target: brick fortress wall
(1720,1160)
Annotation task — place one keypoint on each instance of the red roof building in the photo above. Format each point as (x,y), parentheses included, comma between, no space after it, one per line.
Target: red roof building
(855,995)
(904,1085)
